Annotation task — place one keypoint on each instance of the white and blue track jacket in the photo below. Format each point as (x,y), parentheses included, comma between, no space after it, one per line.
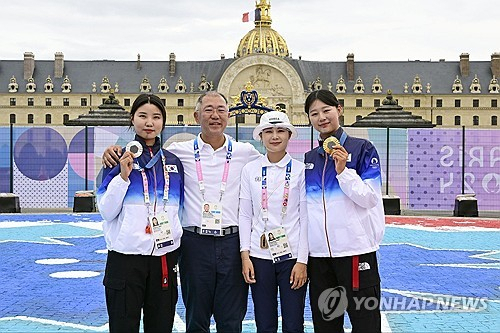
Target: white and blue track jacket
(124,211)
(346,212)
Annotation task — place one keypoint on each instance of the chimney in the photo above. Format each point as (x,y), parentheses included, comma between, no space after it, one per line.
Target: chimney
(222,56)
(171,64)
(495,64)
(59,65)
(29,65)
(138,67)
(350,67)
(464,64)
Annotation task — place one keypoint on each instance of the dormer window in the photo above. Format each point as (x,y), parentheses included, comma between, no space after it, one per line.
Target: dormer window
(48,86)
(376,86)
(457,87)
(494,87)
(359,87)
(145,86)
(13,86)
(180,87)
(475,87)
(66,85)
(105,86)
(31,86)
(203,85)
(416,87)
(163,86)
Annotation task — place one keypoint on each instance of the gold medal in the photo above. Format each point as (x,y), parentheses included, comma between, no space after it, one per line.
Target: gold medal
(329,143)
(263,242)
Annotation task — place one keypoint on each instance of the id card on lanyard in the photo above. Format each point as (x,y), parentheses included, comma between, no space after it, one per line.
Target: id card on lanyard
(211,212)
(158,222)
(278,245)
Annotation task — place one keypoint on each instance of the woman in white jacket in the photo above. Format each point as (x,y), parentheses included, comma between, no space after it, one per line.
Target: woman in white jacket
(273,228)
(141,200)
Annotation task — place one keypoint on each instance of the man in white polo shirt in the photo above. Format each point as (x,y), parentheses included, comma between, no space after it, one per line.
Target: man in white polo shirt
(210,262)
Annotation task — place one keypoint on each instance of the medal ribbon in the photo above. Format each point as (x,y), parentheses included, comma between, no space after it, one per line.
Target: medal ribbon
(199,172)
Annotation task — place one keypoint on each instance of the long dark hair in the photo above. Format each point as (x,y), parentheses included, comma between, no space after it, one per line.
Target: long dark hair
(149,99)
(326,96)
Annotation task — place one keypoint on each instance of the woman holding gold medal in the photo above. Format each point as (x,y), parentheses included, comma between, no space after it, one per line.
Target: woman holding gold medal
(140,201)
(346,221)
(273,228)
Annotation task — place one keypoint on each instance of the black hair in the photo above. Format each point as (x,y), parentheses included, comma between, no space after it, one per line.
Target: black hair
(325,96)
(208,93)
(149,99)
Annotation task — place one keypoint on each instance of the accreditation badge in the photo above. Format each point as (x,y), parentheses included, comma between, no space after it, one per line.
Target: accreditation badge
(162,230)
(278,245)
(211,218)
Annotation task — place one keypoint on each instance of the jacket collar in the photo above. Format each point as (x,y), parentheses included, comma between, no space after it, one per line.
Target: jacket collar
(281,164)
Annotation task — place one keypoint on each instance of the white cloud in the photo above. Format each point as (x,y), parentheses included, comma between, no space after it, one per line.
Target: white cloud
(202,30)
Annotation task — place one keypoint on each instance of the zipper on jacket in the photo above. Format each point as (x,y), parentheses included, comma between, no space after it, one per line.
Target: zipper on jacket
(154,189)
(324,204)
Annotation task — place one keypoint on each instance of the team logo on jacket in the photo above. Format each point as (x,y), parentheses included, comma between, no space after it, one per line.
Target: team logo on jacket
(374,162)
(309,166)
(172,168)
(363,266)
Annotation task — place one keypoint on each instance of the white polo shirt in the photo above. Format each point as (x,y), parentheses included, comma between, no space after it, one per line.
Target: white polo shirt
(212,166)
(250,216)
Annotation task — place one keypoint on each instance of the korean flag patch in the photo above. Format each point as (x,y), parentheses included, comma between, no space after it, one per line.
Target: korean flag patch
(172,168)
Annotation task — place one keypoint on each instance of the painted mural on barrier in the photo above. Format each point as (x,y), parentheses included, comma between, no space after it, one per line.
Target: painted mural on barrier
(435,159)
(424,165)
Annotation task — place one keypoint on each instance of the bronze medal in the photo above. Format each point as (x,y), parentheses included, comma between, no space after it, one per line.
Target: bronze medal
(263,242)
(329,143)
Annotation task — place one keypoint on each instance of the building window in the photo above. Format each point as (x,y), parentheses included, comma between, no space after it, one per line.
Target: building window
(65,117)
(475,120)
(359,117)
(30,118)
(475,103)
(180,102)
(83,102)
(257,118)
(31,101)
(12,118)
(457,120)
(341,102)
(439,103)
(439,120)
(164,101)
(65,103)
(180,119)
(103,100)
(376,103)
(494,120)
(12,102)
(126,101)
(457,103)
(416,103)
(48,119)
(48,101)
(240,119)
(341,120)
(359,102)
(494,103)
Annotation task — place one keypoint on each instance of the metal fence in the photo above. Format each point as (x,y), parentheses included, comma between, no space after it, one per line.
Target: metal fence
(426,168)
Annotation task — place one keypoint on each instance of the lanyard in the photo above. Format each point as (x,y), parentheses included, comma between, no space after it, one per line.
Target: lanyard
(199,172)
(166,186)
(265,202)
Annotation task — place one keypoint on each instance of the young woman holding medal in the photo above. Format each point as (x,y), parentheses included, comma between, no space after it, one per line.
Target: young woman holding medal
(141,200)
(346,220)
(273,228)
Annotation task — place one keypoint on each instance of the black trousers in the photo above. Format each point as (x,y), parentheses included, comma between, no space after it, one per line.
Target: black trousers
(212,283)
(331,291)
(133,282)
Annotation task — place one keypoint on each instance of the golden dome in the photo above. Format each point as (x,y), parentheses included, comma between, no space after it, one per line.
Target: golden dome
(263,39)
